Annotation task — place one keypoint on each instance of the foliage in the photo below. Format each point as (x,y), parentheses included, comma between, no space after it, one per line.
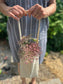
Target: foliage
(55,32)
(3,31)
(61,52)
(46,54)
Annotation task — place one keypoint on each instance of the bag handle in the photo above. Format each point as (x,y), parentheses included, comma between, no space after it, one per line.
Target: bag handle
(38,31)
(20,32)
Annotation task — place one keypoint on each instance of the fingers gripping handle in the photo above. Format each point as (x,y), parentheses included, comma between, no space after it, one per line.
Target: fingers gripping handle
(20,32)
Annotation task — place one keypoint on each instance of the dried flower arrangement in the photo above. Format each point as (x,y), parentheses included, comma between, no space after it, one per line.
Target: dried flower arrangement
(29,48)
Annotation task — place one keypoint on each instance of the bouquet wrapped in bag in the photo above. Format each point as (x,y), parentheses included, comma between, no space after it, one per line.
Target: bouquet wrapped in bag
(29,47)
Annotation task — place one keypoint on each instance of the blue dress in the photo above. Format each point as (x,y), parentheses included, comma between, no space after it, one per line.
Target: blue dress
(29,25)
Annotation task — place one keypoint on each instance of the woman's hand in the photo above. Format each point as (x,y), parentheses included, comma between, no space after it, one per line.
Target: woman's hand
(38,11)
(15,12)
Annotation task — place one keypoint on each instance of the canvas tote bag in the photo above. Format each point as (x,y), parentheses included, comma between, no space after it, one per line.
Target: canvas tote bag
(29,70)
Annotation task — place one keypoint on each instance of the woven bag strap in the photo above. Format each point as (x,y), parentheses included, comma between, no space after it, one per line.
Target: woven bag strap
(20,32)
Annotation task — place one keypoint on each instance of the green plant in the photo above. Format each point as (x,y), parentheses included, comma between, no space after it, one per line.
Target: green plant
(61,52)
(46,54)
(55,32)
(3,22)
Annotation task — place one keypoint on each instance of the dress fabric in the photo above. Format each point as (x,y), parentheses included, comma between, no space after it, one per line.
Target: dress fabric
(29,25)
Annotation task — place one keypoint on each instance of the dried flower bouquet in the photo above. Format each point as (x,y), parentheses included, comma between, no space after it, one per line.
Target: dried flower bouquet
(29,48)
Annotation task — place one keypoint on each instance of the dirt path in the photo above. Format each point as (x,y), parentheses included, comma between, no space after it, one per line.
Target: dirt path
(45,70)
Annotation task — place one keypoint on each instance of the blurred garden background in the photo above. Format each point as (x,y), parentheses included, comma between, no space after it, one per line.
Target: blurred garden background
(55,31)
(52,66)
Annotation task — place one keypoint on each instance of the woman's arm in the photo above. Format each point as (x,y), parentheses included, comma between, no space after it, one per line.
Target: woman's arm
(15,12)
(52,7)
(39,12)
(2,5)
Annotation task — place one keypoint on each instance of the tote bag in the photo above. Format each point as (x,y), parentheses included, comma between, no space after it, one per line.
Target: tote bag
(29,70)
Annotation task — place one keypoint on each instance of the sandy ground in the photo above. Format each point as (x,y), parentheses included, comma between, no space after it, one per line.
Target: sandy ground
(45,70)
